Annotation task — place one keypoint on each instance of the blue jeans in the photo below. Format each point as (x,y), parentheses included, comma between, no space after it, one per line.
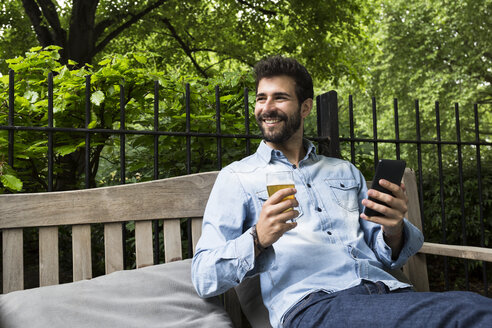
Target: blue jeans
(373,305)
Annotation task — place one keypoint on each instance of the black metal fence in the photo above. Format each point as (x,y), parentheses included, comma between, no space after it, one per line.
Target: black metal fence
(328,138)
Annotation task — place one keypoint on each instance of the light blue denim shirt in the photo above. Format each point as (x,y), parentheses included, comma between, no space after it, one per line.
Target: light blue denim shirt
(330,249)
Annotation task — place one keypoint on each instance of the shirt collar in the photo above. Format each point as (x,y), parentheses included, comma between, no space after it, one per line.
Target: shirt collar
(265,152)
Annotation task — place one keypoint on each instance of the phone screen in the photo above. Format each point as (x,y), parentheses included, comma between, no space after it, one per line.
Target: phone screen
(388,169)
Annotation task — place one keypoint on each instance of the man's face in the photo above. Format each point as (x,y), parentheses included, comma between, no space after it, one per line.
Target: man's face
(277,109)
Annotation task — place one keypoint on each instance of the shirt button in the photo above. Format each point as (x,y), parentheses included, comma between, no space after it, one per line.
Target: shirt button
(318,209)
(329,233)
(308,185)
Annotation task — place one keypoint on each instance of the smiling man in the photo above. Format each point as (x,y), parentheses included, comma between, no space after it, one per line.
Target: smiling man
(278,112)
(326,268)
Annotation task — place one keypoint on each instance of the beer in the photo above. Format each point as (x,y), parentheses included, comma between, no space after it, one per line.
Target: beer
(274,188)
(280,180)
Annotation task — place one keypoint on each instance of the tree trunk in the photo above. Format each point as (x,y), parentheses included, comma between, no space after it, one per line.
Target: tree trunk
(85,37)
(81,39)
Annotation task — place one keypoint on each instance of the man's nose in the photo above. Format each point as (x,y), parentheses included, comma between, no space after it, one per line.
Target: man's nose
(269,103)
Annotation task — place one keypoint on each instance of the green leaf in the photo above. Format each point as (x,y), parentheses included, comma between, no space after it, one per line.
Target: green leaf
(92,124)
(21,101)
(37,147)
(97,97)
(11,182)
(18,67)
(34,49)
(32,95)
(228,97)
(53,47)
(65,150)
(141,59)
(15,60)
(104,62)
(4,79)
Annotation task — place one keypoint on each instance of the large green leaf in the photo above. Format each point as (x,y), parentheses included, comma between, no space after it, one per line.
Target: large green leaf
(11,182)
(65,150)
(97,97)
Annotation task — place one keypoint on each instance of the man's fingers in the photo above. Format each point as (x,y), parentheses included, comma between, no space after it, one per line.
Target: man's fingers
(394,207)
(389,223)
(398,191)
(287,215)
(397,202)
(281,194)
(290,226)
(281,201)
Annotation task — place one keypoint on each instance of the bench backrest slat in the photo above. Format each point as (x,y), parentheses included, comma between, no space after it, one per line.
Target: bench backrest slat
(113,247)
(143,244)
(13,260)
(196,231)
(172,240)
(48,256)
(81,252)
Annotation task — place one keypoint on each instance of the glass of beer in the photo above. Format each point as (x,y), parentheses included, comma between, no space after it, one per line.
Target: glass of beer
(279,180)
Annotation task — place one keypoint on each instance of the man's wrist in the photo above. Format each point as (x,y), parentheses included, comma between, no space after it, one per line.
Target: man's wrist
(394,232)
(256,241)
(395,241)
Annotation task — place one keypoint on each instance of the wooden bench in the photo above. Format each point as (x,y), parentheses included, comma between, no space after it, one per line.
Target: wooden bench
(169,200)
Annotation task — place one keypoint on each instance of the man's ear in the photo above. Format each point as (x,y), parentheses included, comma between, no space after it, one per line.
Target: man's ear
(306,107)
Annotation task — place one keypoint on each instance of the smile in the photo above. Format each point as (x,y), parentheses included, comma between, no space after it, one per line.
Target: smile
(272,121)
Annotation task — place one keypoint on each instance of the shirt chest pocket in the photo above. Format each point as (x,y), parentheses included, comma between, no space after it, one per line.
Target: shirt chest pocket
(345,193)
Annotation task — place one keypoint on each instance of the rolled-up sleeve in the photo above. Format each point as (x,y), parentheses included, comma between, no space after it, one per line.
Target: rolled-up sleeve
(413,240)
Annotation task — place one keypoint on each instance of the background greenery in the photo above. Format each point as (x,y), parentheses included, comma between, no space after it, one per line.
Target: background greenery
(433,51)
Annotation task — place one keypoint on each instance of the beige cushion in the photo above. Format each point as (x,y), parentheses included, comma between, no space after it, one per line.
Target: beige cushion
(156,296)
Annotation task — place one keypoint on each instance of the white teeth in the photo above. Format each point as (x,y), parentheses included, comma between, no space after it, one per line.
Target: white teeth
(271,121)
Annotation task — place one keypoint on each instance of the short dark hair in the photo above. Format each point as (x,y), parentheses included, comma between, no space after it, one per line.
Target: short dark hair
(277,66)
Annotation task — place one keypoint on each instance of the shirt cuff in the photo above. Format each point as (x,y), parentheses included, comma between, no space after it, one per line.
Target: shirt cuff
(245,252)
(413,240)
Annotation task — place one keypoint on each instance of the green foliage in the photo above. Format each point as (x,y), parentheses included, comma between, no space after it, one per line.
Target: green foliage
(433,51)
(8,178)
(132,77)
(202,38)
(16,34)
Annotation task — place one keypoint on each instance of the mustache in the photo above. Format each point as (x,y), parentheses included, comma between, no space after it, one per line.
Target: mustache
(272,115)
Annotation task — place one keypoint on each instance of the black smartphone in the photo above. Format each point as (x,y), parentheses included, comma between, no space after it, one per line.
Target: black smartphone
(388,169)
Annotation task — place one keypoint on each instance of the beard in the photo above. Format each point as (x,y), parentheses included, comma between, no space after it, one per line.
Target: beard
(280,135)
